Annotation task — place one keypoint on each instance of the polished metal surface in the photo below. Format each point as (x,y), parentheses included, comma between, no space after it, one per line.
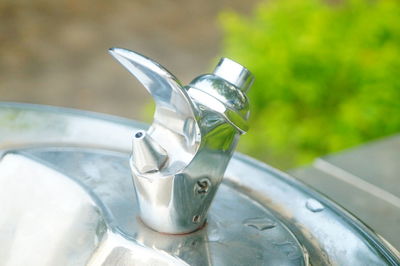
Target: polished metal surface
(178,163)
(66,199)
(366,180)
(234,73)
(43,210)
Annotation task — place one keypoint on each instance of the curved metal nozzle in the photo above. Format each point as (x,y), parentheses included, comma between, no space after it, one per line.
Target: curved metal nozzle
(178,164)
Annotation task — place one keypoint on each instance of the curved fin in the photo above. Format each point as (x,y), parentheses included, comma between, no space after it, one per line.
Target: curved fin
(165,88)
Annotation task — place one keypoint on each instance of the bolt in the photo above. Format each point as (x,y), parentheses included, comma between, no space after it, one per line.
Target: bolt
(202,186)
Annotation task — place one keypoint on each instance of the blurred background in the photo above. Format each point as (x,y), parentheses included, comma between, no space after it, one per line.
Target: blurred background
(327,72)
(55,52)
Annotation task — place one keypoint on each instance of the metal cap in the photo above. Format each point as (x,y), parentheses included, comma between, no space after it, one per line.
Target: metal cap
(234,73)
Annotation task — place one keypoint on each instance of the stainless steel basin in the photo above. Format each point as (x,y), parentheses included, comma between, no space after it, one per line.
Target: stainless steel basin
(67,198)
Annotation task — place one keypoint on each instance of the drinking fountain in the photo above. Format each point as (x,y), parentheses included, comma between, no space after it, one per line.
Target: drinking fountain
(80,188)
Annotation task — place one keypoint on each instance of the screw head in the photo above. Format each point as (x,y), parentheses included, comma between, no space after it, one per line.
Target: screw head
(202,186)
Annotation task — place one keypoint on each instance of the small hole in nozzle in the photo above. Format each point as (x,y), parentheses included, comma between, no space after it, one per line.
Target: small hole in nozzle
(138,134)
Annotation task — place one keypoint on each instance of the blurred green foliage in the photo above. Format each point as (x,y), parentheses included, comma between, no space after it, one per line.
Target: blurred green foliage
(327,75)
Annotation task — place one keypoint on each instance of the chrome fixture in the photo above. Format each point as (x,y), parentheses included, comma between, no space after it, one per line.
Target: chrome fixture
(178,163)
(67,198)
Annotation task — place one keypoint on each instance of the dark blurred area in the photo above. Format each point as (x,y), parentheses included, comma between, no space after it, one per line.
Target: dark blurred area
(55,52)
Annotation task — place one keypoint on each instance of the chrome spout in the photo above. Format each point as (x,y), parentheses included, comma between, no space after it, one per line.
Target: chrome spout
(149,155)
(179,162)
